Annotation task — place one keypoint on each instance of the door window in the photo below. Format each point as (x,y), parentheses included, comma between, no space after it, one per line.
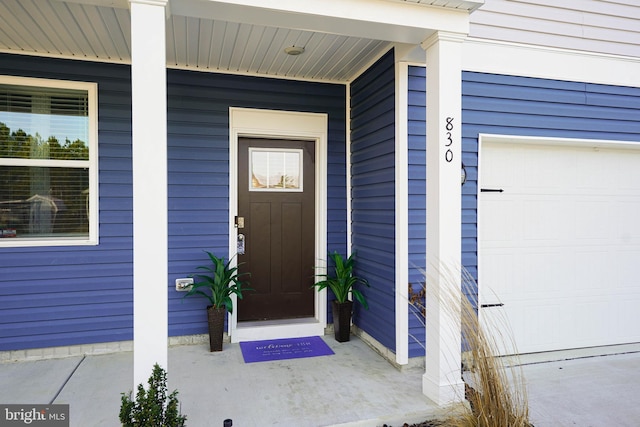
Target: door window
(275,169)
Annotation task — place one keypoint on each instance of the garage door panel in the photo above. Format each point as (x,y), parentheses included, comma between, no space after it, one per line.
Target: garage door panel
(588,273)
(541,277)
(595,219)
(627,313)
(540,172)
(499,226)
(628,226)
(541,221)
(500,267)
(627,269)
(626,175)
(596,163)
(539,322)
(560,247)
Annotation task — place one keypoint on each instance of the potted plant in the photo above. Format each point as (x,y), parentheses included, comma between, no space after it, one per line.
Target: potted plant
(222,281)
(342,283)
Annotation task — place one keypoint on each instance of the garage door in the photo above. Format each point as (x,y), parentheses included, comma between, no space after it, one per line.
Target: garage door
(559,244)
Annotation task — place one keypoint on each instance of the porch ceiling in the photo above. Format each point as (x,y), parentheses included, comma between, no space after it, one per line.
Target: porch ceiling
(340,37)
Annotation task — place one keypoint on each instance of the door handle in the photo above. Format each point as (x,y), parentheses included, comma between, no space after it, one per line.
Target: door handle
(491,305)
(240,244)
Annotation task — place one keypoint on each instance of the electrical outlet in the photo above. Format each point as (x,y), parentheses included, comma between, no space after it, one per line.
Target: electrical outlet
(184,285)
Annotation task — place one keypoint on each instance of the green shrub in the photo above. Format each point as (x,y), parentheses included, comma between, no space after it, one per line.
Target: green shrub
(152,407)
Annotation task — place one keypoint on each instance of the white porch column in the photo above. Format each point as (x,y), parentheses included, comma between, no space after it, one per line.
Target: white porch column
(150,253)
(442,381)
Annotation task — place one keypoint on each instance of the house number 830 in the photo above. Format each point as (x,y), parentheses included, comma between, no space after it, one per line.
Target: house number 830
(448,155)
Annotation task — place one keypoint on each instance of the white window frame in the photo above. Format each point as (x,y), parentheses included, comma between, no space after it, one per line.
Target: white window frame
(91,164)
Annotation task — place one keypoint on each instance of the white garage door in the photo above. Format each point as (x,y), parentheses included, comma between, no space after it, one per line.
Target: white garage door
(560,245)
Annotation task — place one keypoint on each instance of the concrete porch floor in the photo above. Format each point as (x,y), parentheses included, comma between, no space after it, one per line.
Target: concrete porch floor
(354,387)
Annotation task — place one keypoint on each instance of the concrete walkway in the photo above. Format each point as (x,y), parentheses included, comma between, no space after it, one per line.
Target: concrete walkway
(354,387)
(597,387)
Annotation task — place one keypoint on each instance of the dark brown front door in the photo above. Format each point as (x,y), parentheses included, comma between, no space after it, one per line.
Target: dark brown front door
(276,201)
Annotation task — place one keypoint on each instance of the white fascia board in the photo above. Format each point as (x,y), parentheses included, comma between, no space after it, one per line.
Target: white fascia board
(401,22)
(488,56)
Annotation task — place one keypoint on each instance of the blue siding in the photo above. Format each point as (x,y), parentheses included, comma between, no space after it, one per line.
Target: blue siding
(538,107)
(198,143)
(509,105)
(53,296)
(513,105)
(417,200)
(373,193)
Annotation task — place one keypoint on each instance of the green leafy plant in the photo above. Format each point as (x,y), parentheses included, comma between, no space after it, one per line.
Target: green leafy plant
(222,281)
(342,281)
(152,407)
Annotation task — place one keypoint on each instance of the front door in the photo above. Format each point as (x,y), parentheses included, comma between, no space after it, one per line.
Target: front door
(276,227)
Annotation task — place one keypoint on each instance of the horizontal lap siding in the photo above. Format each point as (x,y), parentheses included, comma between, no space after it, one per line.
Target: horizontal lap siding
(588,25)
(77,295)
(417,202)
(198,143)
(373,196)
(52,296)
(511,105)
(538,107)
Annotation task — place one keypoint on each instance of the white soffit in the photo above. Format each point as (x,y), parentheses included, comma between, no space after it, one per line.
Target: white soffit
(340,37)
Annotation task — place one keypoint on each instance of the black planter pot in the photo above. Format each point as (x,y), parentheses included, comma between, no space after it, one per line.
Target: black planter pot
(216,316)
(342,319)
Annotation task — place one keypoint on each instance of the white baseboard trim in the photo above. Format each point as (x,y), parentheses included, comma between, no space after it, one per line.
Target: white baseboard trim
(388,354)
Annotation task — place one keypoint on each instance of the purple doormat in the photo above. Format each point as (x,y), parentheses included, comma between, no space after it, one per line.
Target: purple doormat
(289,348)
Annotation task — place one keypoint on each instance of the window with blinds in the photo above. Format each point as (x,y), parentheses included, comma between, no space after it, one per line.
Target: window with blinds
(47,162)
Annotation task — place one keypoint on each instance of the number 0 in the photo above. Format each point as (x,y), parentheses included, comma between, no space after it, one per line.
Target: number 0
(448,156)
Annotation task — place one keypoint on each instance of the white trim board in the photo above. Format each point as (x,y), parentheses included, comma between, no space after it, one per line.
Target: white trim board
(554,141)
(402,214)
(247,122)
(515,59)
(91,164)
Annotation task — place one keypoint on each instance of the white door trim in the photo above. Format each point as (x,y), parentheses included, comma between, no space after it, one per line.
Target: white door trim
(248,122)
